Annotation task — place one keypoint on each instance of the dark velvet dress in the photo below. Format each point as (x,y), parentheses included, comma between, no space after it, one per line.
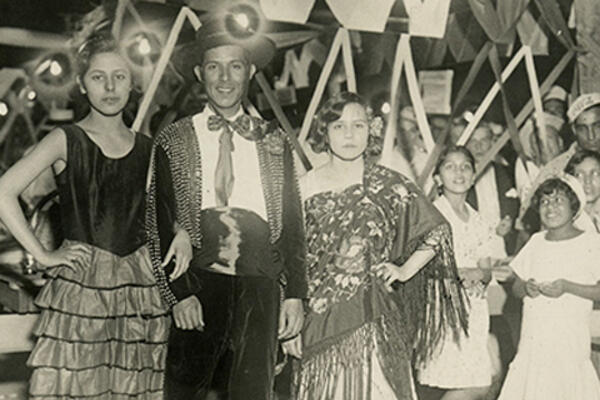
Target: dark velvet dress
(103,327)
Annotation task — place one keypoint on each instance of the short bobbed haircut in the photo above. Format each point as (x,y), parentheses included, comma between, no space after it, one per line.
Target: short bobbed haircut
(555,185)
(331,111)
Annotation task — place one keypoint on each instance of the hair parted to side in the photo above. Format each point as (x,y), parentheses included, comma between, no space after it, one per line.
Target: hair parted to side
(331,111)
(454,149)
(554,186)
(101,42)
(579,157)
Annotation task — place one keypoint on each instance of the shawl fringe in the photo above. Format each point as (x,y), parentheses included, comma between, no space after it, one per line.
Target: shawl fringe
(349,356)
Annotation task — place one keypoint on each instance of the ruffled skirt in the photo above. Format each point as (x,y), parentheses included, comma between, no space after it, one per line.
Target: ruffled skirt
(102,332)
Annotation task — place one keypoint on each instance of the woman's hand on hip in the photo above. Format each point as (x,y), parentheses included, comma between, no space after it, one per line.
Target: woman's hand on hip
(67,255)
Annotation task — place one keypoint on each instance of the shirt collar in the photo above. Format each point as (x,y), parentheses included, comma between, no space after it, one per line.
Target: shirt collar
(210,111)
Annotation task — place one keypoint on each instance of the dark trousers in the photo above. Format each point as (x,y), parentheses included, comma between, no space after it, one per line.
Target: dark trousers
(241,314)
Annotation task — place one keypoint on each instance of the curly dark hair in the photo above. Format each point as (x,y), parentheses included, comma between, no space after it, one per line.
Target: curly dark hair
(102,42)
(331,111)
(454,149)
(579,157)
(551,186)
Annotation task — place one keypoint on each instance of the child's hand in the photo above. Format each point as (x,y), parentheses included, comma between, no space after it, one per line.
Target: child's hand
(504,226)
(553,289)
(470,276)
(532,288)
(502,273)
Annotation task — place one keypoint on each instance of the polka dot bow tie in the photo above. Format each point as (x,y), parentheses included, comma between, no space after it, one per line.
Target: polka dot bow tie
(242,125)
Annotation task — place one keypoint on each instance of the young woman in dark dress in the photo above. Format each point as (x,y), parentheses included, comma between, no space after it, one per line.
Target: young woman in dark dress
(103,328)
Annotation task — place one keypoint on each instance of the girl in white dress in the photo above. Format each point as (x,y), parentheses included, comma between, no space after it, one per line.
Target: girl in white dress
(462,364)
(557,275)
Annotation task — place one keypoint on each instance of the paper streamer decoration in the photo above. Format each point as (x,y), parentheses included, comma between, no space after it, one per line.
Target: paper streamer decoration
(487,101)
(296,69)
(28,38)
(523,53)
(527,109)
(531,34)
(282,118)
(184,14)
(323,78)
(404,58)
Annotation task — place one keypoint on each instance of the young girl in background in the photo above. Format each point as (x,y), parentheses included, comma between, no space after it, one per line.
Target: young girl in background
(102,328)
(462,364)
(557,275)
(585,166)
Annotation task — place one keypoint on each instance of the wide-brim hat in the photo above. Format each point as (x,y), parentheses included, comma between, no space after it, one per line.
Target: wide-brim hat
(568,179)
(581,104)
(215,32)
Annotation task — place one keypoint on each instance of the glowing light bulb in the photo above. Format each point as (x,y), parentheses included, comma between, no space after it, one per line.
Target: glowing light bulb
(242,20)
(386,108)
(31,95)
(144,47)
(55,68)
(3,108)
(468,116)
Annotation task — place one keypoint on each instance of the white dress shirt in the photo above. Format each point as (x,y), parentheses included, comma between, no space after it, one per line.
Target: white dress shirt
(247,186)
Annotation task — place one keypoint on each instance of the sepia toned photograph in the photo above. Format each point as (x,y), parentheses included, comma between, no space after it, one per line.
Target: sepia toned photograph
(300,199)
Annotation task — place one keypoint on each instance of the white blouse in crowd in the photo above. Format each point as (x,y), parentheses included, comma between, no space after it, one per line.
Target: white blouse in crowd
(473,239)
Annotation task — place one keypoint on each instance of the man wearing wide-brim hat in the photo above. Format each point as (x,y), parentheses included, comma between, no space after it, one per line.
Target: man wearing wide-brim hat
(224,183)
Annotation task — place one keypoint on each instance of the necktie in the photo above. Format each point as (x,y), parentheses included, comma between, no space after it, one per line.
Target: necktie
(224,172)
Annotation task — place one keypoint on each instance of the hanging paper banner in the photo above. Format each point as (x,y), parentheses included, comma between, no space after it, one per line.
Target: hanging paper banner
(436,87)
(358,15)
(296,11)
(587,22)
(427,17)
(340,43)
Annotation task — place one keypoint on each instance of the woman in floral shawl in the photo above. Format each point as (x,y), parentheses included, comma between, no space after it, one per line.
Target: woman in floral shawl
(382,280)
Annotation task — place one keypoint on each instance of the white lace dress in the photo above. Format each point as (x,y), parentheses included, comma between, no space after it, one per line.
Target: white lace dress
(464,361)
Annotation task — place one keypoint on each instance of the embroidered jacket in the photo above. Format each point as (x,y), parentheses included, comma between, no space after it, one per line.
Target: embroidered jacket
(175,194)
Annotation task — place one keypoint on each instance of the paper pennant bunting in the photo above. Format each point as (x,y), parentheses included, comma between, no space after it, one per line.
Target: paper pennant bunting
(361,15)
(428,17)
(296,11)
